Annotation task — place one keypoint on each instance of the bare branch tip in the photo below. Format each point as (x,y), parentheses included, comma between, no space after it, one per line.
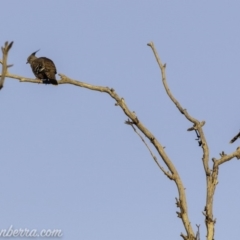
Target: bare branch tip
(10,65)
(128,122)
(183,236)
(62,76)
(202,123)
(150,44)
(222,154)
(10,45)
(192,128)
(179,214)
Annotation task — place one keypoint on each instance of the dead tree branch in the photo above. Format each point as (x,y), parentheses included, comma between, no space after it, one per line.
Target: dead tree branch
(225,158)
(121,103)
(211,174)
(5,67)
(196,124)
(132,116)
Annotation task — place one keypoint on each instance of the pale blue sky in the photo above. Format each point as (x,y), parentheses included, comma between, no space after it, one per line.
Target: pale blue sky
(68,161)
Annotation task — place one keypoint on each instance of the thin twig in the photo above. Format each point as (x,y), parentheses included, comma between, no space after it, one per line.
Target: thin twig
(198,232)
(149,149)
(235,138)
(225,158)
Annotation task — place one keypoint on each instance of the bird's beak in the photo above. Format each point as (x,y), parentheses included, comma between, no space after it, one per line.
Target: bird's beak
(26,62)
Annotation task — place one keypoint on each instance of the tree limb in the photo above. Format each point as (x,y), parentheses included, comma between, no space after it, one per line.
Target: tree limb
(196,124)
(153,140)
(202,142)
(211,175)
(5,51)
(225,158)
(121,103)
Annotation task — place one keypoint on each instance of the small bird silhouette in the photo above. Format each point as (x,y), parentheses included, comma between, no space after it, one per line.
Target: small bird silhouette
(43,68)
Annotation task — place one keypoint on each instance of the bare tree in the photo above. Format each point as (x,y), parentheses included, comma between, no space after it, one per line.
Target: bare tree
(171,172)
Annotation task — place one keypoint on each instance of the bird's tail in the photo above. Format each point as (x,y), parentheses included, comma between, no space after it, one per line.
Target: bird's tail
(53,81)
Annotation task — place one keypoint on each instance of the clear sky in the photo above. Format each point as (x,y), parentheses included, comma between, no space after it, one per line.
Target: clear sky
(68,161)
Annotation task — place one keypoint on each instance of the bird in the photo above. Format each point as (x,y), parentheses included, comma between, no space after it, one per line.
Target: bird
(43,68)
(235,138)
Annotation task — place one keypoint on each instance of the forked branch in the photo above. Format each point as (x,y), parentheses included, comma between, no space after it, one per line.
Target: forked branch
(181,202)
(171,173)
(196,124)
(5,67)
(211,175)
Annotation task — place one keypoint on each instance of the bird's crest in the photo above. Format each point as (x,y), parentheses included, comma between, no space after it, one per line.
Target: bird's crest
(34,53)
(32,57)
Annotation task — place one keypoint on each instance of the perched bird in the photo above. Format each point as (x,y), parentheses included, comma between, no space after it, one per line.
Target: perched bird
(43,68)
(235,138)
